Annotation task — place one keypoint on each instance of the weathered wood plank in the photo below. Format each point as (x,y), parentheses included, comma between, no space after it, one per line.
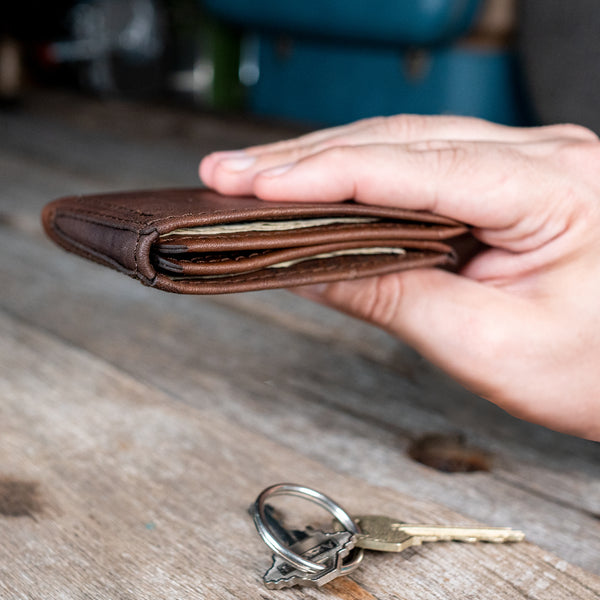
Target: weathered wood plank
(196,130)
(324,401)
(332,388)
(123,145)
(143,497)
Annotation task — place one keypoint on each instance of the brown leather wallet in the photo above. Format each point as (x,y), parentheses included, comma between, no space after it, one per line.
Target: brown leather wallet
(195,241)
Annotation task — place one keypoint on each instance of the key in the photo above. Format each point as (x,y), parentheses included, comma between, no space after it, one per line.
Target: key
(389,535)
(307,557)
(328,549)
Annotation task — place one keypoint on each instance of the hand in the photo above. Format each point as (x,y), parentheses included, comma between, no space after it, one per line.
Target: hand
(520,325)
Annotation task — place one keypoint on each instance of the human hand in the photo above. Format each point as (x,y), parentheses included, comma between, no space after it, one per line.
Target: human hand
(520,325)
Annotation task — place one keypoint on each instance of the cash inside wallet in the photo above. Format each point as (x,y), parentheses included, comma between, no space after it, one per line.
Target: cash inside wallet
(173,257)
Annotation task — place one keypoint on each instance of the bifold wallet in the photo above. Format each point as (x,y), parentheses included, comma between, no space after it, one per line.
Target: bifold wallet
(195,241)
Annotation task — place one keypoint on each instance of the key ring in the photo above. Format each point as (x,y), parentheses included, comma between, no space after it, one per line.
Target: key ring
(300,491)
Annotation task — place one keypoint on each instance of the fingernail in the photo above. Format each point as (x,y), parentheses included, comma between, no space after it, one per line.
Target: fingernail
(238,163)
(276,171)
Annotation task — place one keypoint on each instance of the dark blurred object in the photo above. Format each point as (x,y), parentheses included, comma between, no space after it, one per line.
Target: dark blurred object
(22,25)
(204,57)
(11,70)
(560,47)
(33,20)
(122,48)
(116,46)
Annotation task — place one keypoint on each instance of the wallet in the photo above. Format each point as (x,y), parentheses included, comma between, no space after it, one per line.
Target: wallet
(196,241)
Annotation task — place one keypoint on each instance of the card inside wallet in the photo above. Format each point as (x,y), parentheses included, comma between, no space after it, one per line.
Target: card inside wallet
(215,251)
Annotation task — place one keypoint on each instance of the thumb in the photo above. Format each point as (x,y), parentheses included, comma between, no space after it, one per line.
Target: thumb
(460,325)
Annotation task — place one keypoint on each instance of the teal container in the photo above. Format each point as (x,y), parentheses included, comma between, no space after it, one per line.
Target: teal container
(321,83)
(414,22)
(334,61)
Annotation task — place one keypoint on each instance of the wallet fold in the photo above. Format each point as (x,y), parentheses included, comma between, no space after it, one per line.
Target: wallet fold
(196,241)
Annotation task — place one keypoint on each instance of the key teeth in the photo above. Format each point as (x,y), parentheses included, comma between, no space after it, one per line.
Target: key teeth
(304,578)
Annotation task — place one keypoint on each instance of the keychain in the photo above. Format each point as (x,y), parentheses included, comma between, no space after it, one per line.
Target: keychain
(312,557)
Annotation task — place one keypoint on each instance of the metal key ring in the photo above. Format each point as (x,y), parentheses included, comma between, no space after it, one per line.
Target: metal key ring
(300,491)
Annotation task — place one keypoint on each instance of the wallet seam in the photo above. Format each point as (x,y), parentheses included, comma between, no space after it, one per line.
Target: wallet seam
(90,216)
(327,268)
(241,283)
(355,264)
(148,219)
(150,225)
(143,217)
(135,252)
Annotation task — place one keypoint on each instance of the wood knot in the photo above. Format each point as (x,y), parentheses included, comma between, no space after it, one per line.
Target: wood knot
(19,498)
(449,453)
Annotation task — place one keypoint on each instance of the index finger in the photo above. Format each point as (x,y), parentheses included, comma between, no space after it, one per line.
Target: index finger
(232,172)
(477,183)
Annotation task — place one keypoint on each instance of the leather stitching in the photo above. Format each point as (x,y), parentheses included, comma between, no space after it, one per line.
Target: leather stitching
(265,274)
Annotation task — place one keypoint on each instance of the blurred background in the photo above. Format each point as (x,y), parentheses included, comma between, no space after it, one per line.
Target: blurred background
(315,62)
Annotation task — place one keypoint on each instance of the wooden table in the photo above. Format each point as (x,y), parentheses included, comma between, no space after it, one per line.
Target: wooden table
(136,427)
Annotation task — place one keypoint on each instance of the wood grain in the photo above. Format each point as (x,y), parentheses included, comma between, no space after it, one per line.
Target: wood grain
(147,498)
(136,426)
(354,415)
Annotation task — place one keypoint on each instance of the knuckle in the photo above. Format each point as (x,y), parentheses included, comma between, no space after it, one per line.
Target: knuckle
(572,130)
(346,139)
(448,158)
(375,123)
(289,155)
(405,126)
(381,300)
(337,155)
(580,154)
(431,145)
(416,127)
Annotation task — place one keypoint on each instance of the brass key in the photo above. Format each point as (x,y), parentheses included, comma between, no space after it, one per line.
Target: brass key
(388,535)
